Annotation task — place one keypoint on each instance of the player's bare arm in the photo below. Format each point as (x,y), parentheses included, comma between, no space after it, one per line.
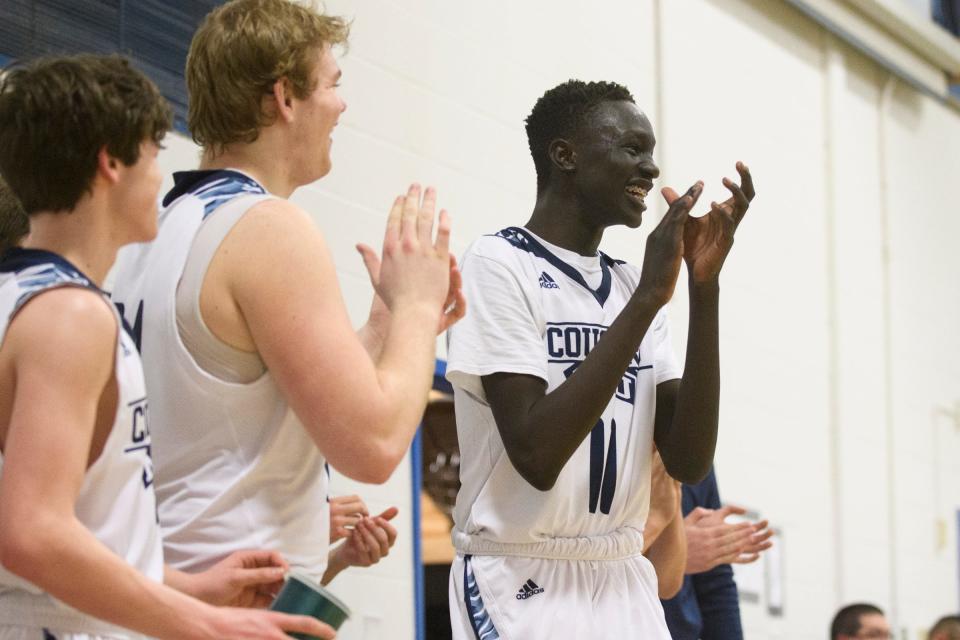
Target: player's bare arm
(541,431)
(688,409)
(664,536)
(61,393)
(275,283)
(668,555)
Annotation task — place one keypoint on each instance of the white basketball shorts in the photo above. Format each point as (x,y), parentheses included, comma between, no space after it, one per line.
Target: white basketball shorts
(517,598)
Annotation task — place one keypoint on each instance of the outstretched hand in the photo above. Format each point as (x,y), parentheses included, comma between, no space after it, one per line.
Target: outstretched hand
(411,223)
(707,239)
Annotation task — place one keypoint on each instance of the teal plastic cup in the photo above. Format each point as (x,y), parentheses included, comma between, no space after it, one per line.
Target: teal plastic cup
(302,595)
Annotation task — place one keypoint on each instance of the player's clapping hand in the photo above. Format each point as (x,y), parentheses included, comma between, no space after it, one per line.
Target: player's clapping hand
(242,579)
(664,252)
(712,541)
(415,268)
(760,535)
(707,240)
(454,308)
(345,513)
(370,540)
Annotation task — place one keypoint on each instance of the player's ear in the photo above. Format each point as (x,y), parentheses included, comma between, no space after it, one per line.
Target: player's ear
(562,155)
(279,101)
(108,167)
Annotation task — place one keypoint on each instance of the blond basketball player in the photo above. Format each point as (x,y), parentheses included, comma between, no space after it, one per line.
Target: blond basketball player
(255,374)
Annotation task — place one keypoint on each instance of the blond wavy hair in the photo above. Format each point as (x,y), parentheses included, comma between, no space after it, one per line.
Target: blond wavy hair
(240,50)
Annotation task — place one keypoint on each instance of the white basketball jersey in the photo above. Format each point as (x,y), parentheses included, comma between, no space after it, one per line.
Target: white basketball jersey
(116,501)
(235,468)
(535,311)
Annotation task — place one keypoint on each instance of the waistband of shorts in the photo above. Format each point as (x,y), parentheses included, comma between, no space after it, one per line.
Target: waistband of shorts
(625,542)
(22,609)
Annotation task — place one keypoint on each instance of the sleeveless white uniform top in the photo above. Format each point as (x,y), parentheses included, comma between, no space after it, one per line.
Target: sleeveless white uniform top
(116,501)
(533,311)
(235,468)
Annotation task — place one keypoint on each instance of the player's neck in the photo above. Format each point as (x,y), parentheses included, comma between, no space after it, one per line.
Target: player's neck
(86,240)
(558,219)
(258,160)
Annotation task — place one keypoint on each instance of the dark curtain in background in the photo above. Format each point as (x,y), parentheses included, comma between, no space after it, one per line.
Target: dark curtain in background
(155,34)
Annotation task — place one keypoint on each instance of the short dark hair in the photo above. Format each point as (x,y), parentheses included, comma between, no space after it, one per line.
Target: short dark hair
(847,620)
(57,113)
(949,625)
(14,223)
(560,112)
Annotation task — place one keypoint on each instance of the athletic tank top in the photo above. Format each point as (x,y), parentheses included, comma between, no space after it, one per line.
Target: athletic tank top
(116,501)
(235,468)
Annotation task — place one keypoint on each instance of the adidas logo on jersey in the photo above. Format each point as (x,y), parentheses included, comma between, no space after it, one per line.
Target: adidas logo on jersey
(529,588)
(546,282)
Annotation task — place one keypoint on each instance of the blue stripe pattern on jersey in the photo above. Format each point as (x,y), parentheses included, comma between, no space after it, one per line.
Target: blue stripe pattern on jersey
(217,192)
(38,270)
(213,187)
(522,239)
(480,621)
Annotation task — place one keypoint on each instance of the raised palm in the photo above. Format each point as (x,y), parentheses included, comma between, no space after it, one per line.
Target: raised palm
(707,239)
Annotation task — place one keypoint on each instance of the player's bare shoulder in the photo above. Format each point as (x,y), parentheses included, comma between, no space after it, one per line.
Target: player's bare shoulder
(249,276)
(274,232)
(62,326)
(68,333)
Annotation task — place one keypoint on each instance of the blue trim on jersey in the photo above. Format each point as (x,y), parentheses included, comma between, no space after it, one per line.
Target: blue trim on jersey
(522,239)
(609,472)
(213,187)
(18,259)
(596,464)
(603,472)
(47,270)
(58,272)
(480,621)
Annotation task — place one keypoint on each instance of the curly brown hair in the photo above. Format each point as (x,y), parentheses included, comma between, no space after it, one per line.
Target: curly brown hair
(57,113)
(240,50)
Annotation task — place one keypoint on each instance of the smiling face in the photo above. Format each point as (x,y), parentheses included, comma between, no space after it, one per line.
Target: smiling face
(614,163)
(316,117)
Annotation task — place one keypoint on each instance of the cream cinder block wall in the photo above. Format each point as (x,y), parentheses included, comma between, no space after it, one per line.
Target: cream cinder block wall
(839,418)
(840,307)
